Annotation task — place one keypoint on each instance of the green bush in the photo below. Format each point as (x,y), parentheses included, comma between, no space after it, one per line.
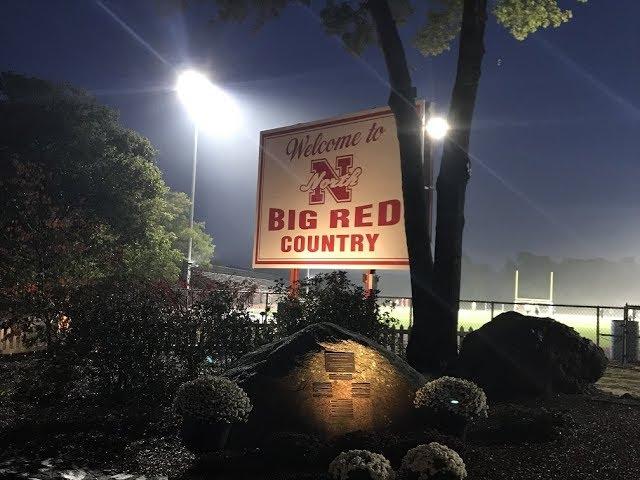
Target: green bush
(432,462)
(360,465)
(212,400)
(450,395)
(331,297)
(223,328)
(127,335)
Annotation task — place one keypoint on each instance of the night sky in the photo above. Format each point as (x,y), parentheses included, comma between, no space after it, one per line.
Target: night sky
(556,137)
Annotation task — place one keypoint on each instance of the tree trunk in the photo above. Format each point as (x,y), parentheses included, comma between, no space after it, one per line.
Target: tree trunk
(455,169)
(424,349)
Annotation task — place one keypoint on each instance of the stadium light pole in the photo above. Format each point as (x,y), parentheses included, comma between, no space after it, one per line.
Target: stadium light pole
(211,110)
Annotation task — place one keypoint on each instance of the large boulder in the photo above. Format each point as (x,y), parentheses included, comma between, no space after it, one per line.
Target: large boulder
(517,355)
(326,380)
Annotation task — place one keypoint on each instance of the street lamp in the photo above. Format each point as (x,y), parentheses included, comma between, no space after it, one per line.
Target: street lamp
(211,110)
(437,128)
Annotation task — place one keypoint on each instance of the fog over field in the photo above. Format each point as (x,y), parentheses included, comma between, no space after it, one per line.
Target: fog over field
(595,281)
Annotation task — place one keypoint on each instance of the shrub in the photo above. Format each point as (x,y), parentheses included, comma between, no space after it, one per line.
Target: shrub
(432,461)
(125,333)
(360,465)
(393,445)
(455,396)
(212,400)
(331,297)
(223,328)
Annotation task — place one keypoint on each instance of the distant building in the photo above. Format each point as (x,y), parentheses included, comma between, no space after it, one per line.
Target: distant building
(262,279)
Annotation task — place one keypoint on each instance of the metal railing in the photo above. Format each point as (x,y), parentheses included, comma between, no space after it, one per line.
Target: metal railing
(613,328)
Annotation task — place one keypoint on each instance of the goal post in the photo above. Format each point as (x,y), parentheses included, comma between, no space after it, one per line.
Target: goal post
(529,303)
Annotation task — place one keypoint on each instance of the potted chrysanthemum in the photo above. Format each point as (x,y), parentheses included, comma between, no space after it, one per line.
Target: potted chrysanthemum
(432,462)
(449,404)
(209,406)
(360,465)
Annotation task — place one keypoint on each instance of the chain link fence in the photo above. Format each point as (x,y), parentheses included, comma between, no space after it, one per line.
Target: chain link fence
(615,329)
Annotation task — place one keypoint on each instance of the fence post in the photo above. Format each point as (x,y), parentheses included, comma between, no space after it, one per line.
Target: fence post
(492,309)
(624,333)
(598,326)
(411,312)
(403,350)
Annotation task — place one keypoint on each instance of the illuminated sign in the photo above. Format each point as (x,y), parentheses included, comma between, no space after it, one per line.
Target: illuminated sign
(330,195)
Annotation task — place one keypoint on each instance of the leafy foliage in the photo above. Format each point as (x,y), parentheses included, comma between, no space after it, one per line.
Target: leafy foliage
(361,464)
(225,331)
(331,297)
(452,395)
(82,201)
(350,19)
(524,17)
(176,221)
(127,333)
(520,17)
(212,399)
(441,28)
(432,460)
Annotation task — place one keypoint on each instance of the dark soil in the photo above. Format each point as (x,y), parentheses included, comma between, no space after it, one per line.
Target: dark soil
(603,443)
(565,437)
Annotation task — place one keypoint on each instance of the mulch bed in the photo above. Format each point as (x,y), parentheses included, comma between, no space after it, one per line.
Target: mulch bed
(602,444)
(565,437)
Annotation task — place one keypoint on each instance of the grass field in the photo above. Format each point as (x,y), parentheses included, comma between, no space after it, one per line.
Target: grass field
(583,319)
(585,323)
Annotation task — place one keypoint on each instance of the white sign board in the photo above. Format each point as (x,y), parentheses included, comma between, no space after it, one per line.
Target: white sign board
(330,195)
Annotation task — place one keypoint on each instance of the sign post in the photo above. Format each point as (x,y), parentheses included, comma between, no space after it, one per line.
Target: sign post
(330,195)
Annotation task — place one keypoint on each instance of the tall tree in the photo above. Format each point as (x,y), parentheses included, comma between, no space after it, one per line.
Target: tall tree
(360,24)
(467,18)
(433,342)
(81,199)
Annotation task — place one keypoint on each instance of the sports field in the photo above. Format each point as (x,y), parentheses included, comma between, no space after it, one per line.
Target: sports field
(587,321)
(583,320)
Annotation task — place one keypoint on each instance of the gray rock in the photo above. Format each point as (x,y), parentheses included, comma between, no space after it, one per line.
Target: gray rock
(326,380)
(517,355)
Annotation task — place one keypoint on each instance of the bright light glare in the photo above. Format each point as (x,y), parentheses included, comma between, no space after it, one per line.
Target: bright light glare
(437,128)
(209,107)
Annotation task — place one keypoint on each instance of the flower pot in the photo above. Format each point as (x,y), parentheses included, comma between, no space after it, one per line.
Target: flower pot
(201,437)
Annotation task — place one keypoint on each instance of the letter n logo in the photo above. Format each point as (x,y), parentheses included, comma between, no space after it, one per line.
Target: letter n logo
(329,179)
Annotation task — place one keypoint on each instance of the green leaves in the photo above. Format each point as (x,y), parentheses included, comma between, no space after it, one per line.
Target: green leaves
(350,20)
(331,296)
(524,17)
(440,29)
(81,199)
(520,17)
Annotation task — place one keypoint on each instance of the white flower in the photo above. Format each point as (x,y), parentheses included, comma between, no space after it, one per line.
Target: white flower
(212,399)
(426,461)
(376,465)
(453,395)
(73,475)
